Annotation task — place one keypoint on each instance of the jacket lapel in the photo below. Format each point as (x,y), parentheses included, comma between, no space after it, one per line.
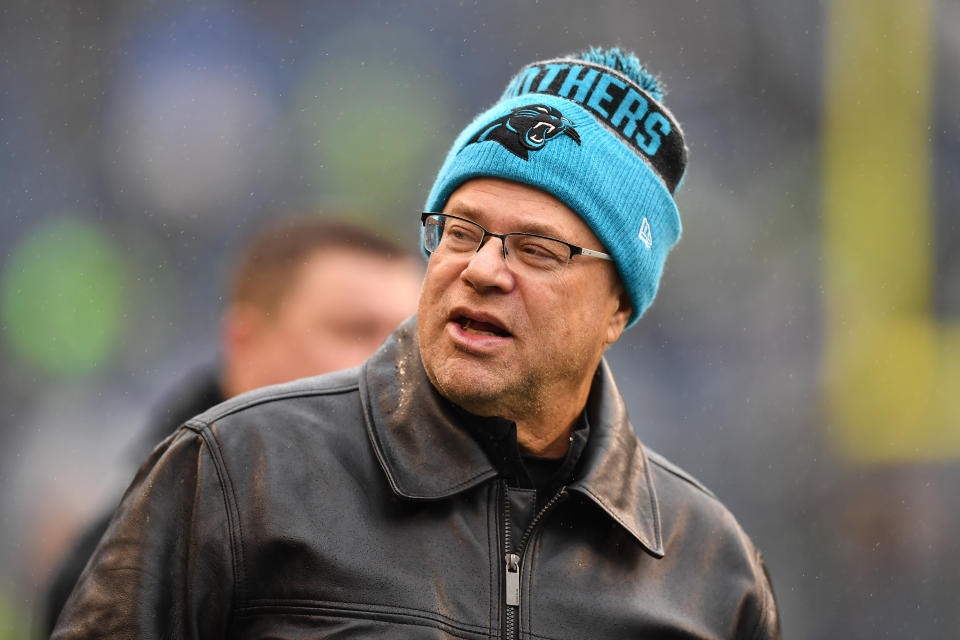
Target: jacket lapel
(422,451)
(615,471)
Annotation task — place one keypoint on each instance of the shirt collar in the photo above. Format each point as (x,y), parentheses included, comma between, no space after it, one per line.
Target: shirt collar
(425,455)
(498,438)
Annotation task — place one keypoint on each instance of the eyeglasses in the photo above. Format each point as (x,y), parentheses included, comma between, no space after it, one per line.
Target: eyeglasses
(456,236)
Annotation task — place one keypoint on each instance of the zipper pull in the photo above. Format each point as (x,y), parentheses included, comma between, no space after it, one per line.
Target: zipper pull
(513,579)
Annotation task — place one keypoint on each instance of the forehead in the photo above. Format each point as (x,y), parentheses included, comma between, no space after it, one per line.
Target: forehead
(337,274)
(502,206)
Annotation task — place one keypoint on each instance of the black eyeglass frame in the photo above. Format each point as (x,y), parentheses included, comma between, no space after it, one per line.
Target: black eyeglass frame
(574,249)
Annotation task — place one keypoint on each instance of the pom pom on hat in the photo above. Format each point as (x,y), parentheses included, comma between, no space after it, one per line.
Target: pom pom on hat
(626,63)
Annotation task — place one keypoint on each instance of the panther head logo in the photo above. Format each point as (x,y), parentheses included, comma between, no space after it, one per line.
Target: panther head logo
(527,129)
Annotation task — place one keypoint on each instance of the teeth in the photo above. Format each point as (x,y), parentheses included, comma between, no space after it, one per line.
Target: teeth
(465,325)
(480,333)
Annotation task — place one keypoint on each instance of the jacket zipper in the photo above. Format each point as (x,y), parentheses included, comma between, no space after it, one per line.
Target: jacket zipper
(514,558)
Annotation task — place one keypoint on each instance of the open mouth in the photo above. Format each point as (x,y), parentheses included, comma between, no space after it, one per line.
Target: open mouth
(480,328)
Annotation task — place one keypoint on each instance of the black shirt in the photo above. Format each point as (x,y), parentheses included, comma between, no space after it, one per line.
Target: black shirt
(498,438)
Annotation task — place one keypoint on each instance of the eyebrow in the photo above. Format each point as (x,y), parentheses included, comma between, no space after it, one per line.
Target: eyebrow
(472,213)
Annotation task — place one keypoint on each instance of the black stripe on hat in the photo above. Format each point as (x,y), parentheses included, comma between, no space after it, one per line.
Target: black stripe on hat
(635,116)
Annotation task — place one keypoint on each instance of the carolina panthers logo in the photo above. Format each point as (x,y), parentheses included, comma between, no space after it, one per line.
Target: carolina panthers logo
(527,129)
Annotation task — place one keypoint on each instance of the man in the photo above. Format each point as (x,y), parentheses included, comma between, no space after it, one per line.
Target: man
(478,476)
(306,296)
(311,296)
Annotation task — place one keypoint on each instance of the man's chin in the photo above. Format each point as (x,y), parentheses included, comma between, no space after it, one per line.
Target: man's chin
(479,392)
(479,405)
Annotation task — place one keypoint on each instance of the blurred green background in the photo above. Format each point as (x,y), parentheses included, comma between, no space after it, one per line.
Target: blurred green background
(803,355)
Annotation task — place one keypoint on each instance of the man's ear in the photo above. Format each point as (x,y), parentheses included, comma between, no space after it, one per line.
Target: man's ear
(621,315)
(240,324)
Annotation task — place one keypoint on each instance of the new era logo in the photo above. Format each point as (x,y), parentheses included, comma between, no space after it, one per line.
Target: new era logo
(645,235)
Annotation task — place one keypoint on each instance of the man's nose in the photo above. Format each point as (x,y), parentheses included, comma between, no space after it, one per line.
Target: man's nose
(499,243)
(488,268)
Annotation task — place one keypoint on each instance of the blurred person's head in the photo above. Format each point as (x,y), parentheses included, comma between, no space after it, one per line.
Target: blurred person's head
(309,296)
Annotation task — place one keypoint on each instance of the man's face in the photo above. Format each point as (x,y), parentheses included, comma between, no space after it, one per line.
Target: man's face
(339,309)
(499,340)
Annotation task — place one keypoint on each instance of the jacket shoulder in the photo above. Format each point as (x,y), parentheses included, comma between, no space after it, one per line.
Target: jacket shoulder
(697,524)
(675,471)
(687,503)
(335,383)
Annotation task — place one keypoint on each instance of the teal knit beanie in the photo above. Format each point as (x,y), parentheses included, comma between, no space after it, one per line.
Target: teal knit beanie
(590,130)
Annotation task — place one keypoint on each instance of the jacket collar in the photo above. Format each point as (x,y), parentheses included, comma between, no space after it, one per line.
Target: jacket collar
(427,456)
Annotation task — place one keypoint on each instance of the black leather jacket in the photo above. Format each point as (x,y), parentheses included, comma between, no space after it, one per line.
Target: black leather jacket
(197,392)
(353,505)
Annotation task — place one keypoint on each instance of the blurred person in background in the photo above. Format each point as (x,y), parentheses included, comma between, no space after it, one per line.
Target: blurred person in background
(307,296)
(478,476)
